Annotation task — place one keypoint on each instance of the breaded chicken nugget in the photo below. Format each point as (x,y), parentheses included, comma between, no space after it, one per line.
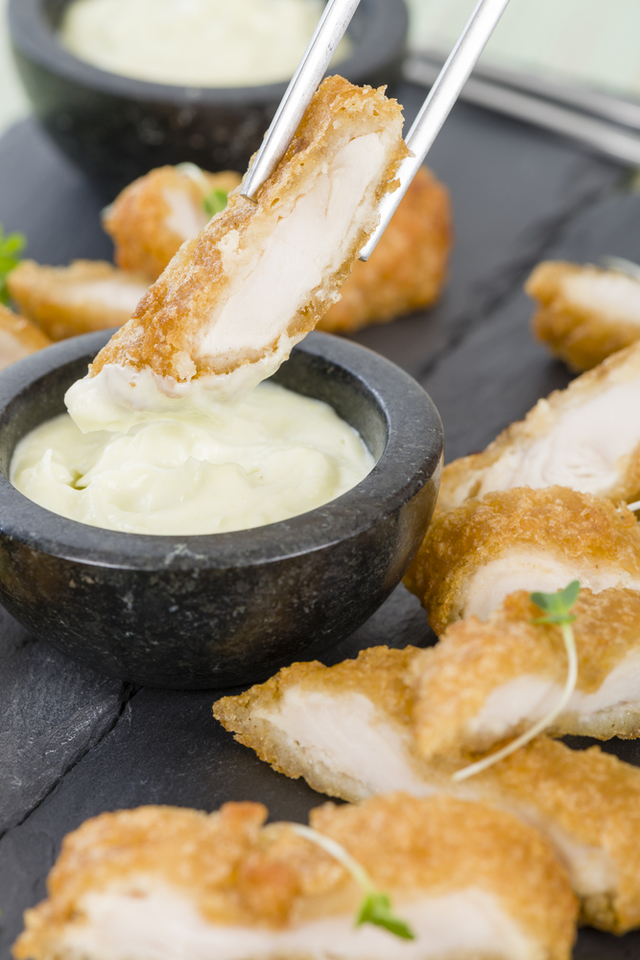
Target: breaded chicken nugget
(348,730)
(229,307)
(152,217)
(585,313)
(585,437)
(522,539)
(65,301)
(408,268)
(486,682)
(18,337)
(164,881)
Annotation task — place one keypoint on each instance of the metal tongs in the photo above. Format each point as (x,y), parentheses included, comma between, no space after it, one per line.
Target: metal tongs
(435,110)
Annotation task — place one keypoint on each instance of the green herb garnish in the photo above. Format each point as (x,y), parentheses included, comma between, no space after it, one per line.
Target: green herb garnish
(376,905)
(622,265)
(215,201)
(11,246)
(557,607)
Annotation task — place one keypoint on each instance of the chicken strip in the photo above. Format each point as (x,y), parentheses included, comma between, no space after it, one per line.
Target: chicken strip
(486,682)
(174,883)
(407,270)
(229,307)
(18,337)
(584,437)
(476,555)
(65,301)
(584,313)
(348,730)
(152,217)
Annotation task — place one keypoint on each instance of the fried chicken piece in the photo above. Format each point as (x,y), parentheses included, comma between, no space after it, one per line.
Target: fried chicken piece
(233,301)
(584,313)
(476,555)
(18,337)
(408,268)
(223,885)
(585,437)
(152,217)
(65,301)
(348,730)
(486,682)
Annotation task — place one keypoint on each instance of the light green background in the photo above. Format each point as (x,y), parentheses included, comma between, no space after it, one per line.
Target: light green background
(588,41)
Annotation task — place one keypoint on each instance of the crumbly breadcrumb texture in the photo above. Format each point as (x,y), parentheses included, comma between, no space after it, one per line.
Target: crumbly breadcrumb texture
(378,673)
(18,337)
(140,222)
(584,313)
(452,680)
(588,800)
(239,872)
(407,270)
(166,330)
(463,478)
(583,530)
(85,296)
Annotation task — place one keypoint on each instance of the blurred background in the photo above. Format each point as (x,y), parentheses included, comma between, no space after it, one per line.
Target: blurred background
(581,42)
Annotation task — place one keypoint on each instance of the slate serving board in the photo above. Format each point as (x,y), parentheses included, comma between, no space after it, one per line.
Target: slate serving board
(73,744)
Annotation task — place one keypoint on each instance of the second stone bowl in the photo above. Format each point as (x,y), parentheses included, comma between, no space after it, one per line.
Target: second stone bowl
(229,608)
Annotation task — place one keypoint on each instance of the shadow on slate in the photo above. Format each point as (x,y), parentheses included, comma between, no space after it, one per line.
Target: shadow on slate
(46,198)
(498,371)
(52,711)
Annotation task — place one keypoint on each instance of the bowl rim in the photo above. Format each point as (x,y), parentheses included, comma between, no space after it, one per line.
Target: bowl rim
(407,463)
(33,36)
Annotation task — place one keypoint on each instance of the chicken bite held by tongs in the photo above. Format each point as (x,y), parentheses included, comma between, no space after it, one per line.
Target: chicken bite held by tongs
(170,882)
(235,299)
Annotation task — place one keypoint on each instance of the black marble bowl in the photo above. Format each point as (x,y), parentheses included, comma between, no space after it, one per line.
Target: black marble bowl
(117,128)
(227,608)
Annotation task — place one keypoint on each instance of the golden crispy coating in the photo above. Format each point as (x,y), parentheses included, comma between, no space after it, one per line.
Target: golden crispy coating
(518,447)
(408,268)
(595,798)
(377,673)
(18,337)
(587,803)
(585,314)
(587,536)
(166,331)
(238,872)
(65,301)
(155,214)
(452,681)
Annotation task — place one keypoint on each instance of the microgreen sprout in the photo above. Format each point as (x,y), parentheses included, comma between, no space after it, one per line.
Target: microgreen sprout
(376,905)
(557,607)
(215,201)
(621,265)
(11,245)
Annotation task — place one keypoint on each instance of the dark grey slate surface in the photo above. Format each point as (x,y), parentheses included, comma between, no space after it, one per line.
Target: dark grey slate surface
(91,745)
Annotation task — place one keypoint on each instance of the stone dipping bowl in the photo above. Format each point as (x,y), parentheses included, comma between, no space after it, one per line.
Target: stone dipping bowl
(117,128)
(230,608)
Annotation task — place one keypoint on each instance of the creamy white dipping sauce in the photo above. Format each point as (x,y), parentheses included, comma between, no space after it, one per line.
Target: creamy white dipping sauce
(204,43)
(274,455)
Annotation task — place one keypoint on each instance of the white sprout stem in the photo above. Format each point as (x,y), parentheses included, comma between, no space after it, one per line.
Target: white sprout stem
(634,506)
(569,687)
(338,852)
